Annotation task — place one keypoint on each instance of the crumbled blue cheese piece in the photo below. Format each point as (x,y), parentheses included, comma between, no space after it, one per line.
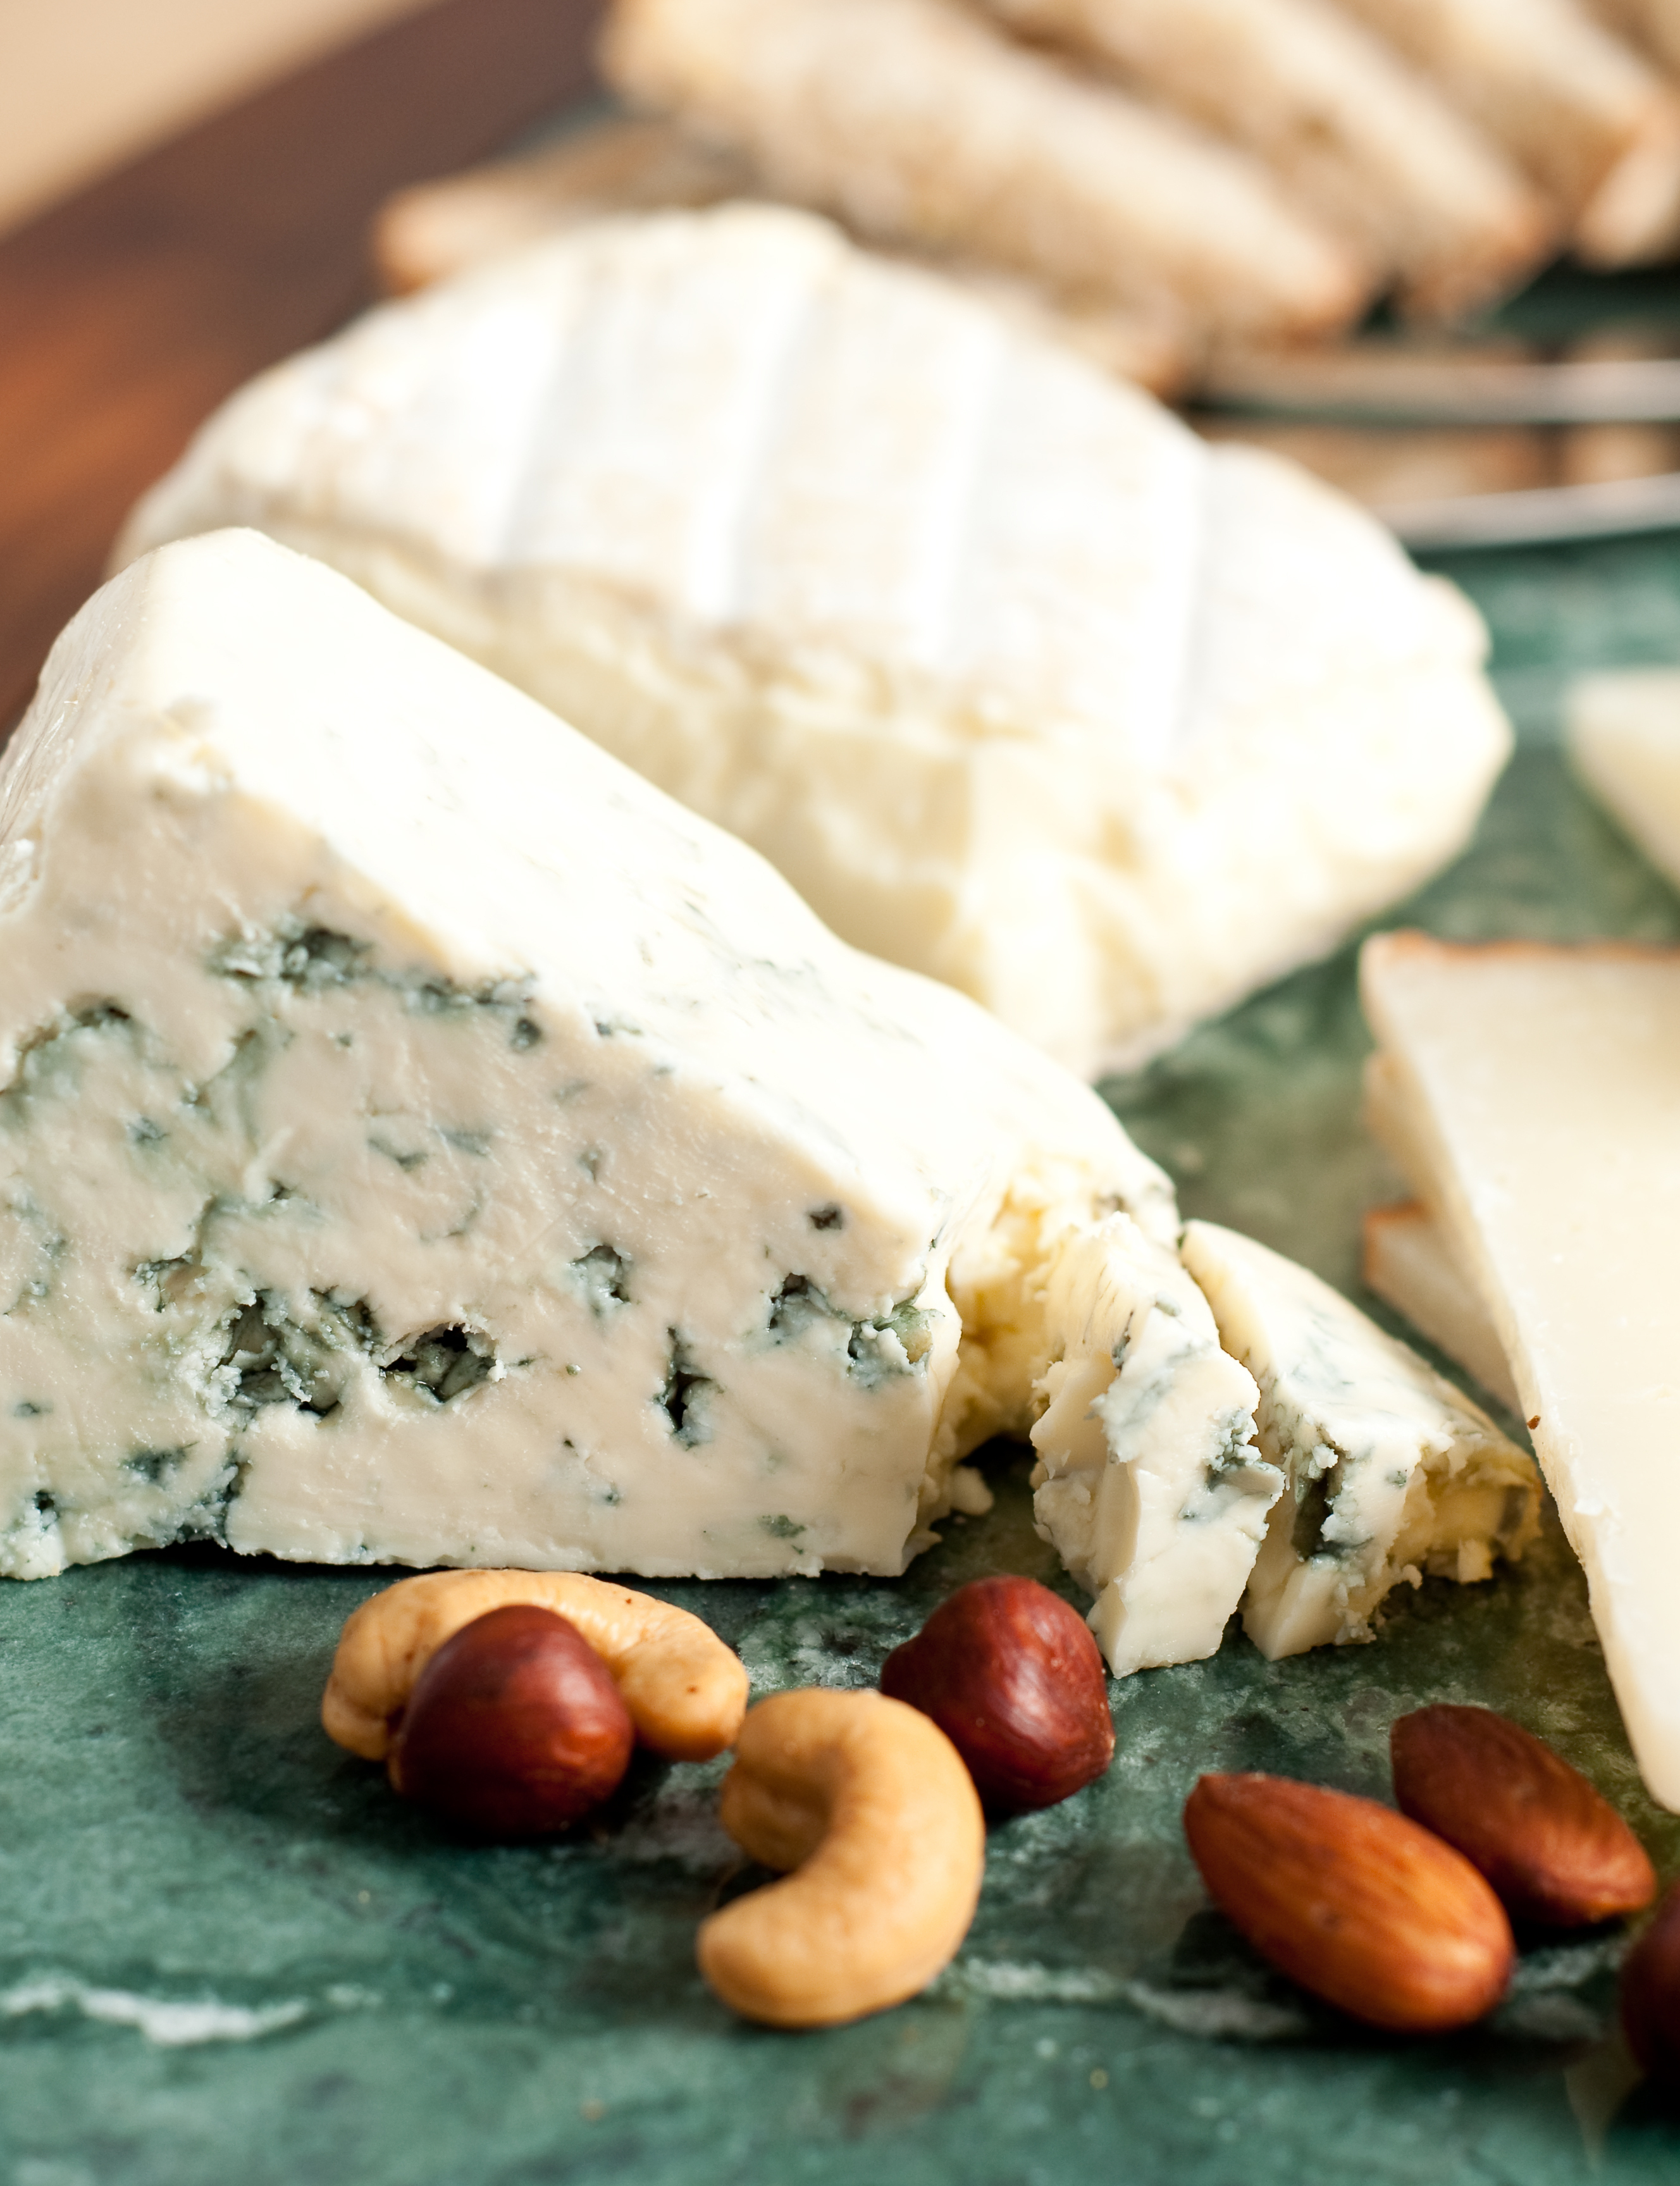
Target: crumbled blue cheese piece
(421,1141)
(1389,1471)
(1149,1482)
(1018,682)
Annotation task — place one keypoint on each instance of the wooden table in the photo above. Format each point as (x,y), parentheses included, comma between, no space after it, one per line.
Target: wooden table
(131,311)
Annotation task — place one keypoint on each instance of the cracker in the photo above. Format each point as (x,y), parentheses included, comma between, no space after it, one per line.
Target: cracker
(1356,133)
(918,124)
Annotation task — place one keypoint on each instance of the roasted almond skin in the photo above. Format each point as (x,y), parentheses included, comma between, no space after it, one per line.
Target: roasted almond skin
(1553,1847)
(1012,1676)
(1650,1995)
(1362,1907)
(514,1727)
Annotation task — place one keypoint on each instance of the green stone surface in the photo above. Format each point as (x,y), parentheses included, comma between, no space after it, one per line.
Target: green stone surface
(229,1957)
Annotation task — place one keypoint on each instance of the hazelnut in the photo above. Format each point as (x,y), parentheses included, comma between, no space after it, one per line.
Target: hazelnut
(1650,1997)
(1012,1676)
(514,1727)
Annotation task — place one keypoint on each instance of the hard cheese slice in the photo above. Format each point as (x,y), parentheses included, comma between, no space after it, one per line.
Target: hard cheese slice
(1408,1259)
(1389,1472)
(1017,682)
(1624,738)
(422,1140)
(1540,1088)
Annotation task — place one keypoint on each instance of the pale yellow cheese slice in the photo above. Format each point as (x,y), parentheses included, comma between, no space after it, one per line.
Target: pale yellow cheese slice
(1541,1092)
(1624,740)
(1408,1259)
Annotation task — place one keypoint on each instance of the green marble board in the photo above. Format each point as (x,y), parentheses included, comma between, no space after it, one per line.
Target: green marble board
(228,1954)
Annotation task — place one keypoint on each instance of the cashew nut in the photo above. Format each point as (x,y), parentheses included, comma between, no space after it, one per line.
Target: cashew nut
(870,1802)
(685,1691)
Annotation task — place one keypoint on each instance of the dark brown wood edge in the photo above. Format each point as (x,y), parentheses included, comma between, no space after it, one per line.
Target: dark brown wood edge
(133,309)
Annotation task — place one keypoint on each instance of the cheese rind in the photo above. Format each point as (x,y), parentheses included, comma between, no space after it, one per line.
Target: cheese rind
(420,1140)
(1148,1482)
(1389,1472)
(1015,681)
(1541,1092)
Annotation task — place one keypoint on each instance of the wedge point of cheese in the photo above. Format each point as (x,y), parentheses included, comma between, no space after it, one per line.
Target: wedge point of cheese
(1540,1092)
(422,1142)
(1389,1472)
(1018,683)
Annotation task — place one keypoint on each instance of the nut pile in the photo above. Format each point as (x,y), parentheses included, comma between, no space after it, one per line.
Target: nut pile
(509,1703)
(1404,1920)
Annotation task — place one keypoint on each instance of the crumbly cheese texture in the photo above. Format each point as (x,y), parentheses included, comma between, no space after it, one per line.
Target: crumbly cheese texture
(1018,683)
(1541,1092)
(421,1141)
(1388,1472)
(1148,1482)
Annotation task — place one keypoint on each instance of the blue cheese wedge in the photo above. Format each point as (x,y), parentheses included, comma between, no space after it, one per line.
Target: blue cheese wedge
(1019,683)
(1389,1472)
(421,1141)
(1148,1480)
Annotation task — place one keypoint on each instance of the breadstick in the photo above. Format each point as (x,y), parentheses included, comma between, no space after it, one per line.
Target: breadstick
(1358,137)
(1595,455)
(1653,24)
(1587,116)
(920,124)
(1387,467)
(436,229)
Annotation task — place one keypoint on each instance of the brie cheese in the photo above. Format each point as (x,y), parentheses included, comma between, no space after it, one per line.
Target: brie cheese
(1541,1092)
(422,1142)
(1389,1472)
(1018,683)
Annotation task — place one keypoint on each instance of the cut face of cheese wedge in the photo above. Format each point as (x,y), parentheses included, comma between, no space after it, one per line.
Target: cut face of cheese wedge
(1407,1260)
(1624,740)
(421,1141)
(1148,1482)
(1018,684)
(1541,1092)
(1388,1472)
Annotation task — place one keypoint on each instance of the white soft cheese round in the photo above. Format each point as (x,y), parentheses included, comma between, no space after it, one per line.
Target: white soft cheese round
(1020,684)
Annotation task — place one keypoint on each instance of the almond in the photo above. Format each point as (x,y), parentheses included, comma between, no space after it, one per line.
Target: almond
(1650,1994)
(1553,1847)
(1352,1900)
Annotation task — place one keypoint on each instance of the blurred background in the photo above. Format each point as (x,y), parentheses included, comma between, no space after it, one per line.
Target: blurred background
(1441,275)
(185,195)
